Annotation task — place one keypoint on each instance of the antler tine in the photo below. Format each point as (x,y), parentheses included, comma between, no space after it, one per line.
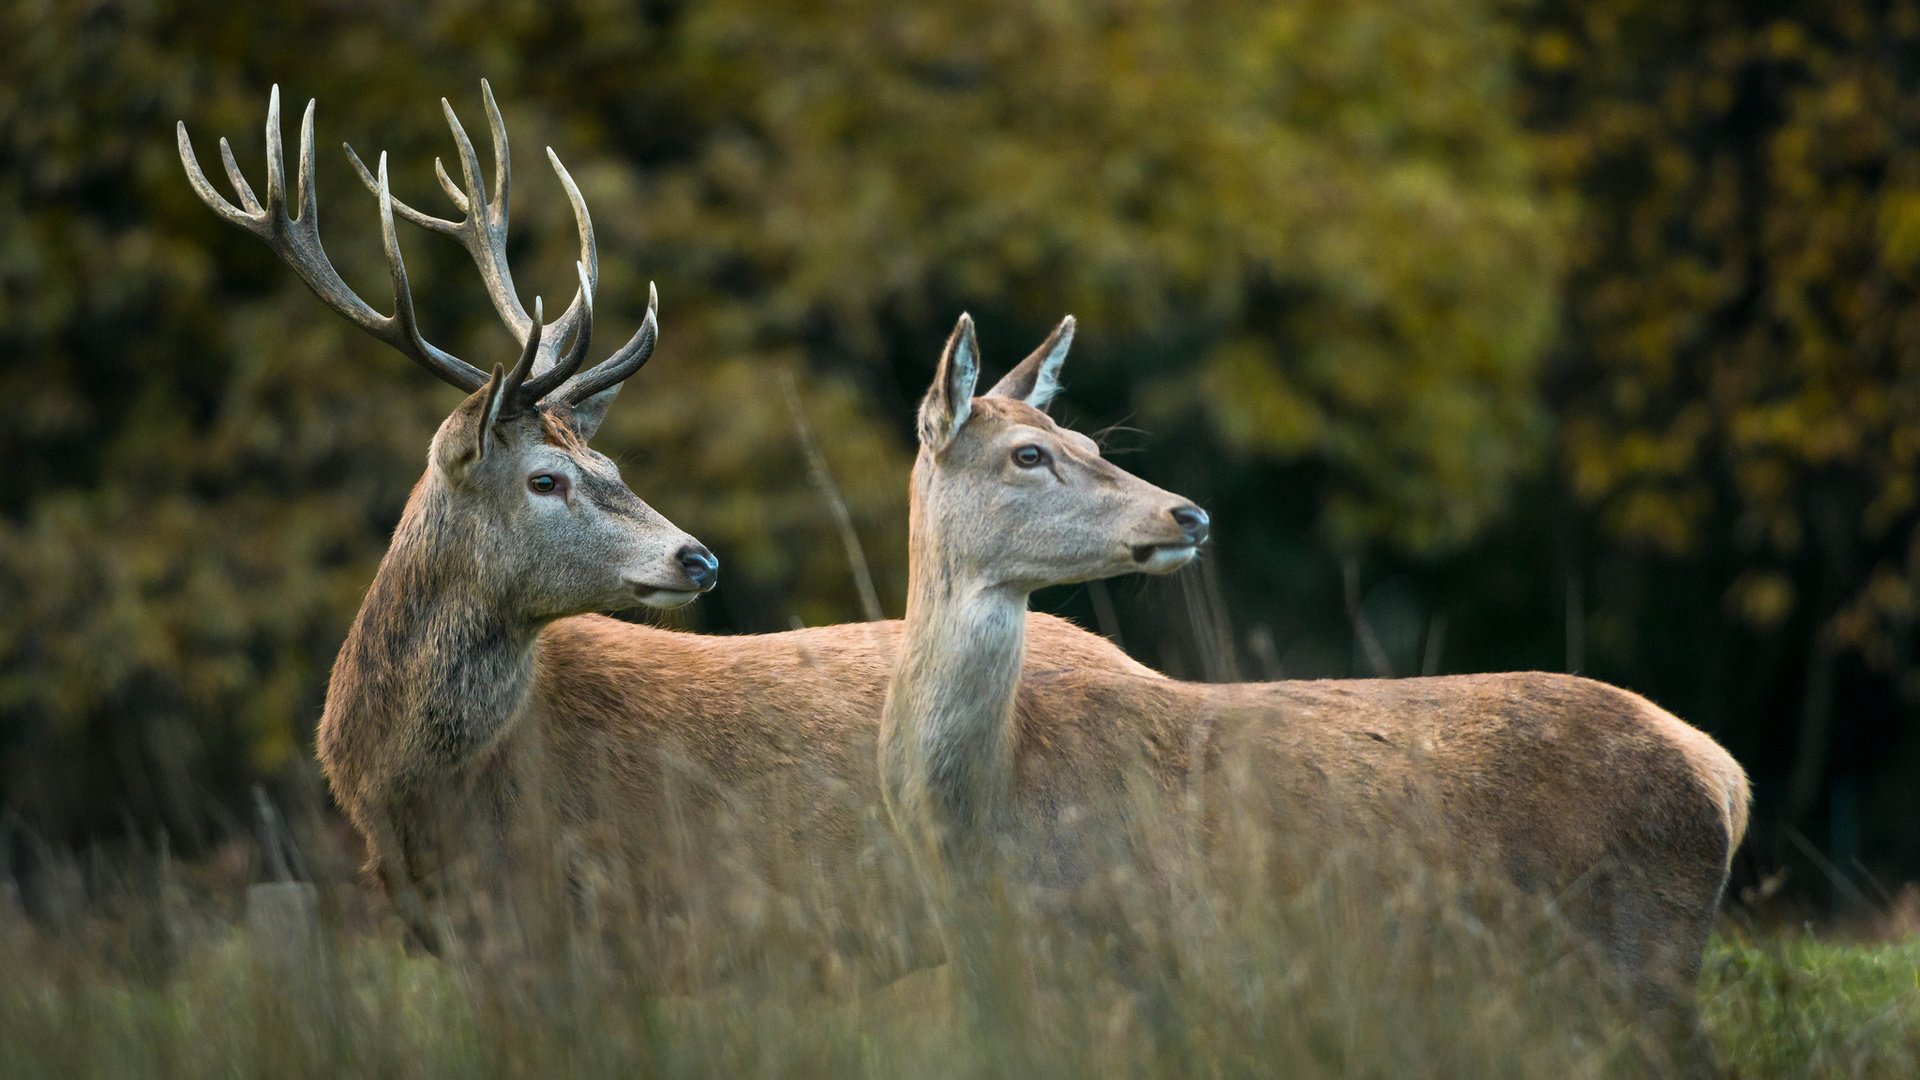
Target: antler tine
(276,155)
(307,198)
(482,228)
(621,365)
(296,240)
(425,221)
(589,252)
(235,177)
(498,128)
(460,201)
(250,219)
(569,363)
(518,376)
(469,164)
(402,330)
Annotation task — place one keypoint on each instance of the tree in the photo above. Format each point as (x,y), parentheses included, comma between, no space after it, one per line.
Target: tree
(1739,383)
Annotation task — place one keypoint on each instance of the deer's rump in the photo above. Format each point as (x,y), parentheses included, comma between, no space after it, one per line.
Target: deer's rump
(1566,787)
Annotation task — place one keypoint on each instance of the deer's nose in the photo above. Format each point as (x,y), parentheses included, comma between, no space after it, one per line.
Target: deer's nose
(1193,521)
(701,568)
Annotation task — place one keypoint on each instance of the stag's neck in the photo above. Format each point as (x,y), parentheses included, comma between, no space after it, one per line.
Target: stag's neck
(949,723)
(437,665)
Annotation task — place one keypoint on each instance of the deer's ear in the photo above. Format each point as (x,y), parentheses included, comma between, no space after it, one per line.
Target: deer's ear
(950,398)
(1037,378)
(588,414)
(496,396)
(468,435)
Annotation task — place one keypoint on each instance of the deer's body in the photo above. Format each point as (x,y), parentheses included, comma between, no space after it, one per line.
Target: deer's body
(1566,787)
(628,727)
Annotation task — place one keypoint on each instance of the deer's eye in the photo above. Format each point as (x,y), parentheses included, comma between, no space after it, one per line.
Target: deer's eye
(543,483)
(1029,456)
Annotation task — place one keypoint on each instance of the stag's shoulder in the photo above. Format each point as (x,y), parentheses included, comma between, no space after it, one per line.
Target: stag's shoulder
(594,648)
(731,700)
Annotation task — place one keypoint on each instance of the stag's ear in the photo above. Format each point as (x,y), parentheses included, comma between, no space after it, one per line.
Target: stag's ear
(1037,378)
(466,437)
(588,414)
(950,398)
(496,397)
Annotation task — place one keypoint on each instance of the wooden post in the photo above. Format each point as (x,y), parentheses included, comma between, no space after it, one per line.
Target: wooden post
(283,916)
(283,921)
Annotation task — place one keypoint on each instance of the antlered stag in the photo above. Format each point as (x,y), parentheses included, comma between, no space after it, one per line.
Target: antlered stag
(1561,785)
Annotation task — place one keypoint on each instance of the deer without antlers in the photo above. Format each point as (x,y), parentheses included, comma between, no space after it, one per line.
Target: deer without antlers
(1565,786)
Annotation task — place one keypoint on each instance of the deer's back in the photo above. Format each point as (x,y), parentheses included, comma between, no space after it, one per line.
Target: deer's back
(1549,775)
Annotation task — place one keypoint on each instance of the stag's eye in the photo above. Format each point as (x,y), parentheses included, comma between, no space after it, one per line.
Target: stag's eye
(543,483)
(1029,456)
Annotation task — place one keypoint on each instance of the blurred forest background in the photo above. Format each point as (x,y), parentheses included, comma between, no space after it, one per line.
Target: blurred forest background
(1574,336)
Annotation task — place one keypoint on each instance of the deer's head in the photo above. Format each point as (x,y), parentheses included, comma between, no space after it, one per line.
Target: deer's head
(550,517)
(510,470)
(1005,496)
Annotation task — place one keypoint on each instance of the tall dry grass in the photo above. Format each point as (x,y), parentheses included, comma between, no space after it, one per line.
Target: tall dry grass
(1164,953)
(1352,966)
(1236,956)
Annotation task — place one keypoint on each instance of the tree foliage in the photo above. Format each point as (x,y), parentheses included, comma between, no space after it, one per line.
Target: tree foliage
(1581,329)
(1311,232)
(1739,384)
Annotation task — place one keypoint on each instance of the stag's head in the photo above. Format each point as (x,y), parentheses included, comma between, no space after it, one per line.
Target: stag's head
(510,470)
(1005,496)
(550,516)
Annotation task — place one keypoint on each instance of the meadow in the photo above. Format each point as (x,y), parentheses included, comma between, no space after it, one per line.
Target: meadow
(161,972)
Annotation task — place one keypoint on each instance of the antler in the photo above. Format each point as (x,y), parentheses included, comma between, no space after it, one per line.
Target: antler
(483,232)
(296,240)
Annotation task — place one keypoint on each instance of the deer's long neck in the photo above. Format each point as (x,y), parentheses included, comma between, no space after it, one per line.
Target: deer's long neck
(436,666)
(948,729)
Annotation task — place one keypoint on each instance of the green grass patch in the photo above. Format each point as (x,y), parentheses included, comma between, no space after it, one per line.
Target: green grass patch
(1794,1004)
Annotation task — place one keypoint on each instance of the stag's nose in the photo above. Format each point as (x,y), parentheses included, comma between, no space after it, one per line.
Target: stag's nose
(1193,521)
(699,565)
